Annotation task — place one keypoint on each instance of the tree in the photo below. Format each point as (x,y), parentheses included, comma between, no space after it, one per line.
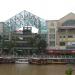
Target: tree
(1,44)
(39,43)
(42,44)
(32,44)
(69,71)
(8,46)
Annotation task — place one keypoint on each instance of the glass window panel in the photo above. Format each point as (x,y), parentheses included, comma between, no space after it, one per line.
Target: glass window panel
(62,43)
(52,36)
(52,43)
(52,30)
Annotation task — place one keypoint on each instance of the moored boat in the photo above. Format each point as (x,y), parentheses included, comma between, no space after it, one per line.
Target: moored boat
(6,60)
(21,61)
(41,61)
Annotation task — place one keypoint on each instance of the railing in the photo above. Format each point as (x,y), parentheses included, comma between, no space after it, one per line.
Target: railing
(53,57)
(66,27)
(68,39)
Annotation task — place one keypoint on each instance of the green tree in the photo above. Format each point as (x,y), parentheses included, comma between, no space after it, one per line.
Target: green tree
(32,44)
(9,45)
(38,43)
(1,45)
(42,44)
(69,71)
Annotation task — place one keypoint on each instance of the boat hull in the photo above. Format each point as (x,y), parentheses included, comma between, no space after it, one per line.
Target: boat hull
(51,61)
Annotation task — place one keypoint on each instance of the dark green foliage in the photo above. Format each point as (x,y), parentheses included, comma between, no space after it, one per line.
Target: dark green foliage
(42,45)
(69,71)
(39,43)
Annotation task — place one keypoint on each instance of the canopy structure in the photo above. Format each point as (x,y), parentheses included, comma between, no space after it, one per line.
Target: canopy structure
(25,18)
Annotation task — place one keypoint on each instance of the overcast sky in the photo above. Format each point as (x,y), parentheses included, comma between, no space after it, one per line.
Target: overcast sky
(46,9)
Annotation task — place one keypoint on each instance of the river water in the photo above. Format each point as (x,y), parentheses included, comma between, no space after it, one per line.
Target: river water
(25,69)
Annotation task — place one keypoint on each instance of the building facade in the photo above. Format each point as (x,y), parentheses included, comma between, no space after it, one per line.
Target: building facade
(61,33)
(22,45)
(11,30)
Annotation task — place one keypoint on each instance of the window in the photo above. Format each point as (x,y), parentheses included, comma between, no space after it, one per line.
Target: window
(69,23)
(6,37)
(62,43)
(70,36)
(62,36)
(52,30)
(52,43)
(52,24)
(62,30)
(52,36)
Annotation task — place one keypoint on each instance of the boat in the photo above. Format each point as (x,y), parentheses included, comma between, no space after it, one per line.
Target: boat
(21,61)
(6,60)
(45,61)
(38,61)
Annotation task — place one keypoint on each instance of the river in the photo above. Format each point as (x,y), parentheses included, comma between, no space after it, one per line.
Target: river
(25,69)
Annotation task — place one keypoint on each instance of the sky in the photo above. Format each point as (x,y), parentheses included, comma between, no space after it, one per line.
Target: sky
(46,9)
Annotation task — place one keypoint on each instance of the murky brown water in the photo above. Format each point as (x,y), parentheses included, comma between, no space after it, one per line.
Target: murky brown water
(24,69)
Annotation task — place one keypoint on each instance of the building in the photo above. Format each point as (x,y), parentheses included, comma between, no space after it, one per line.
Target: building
(61,39)
(23,19)
(16,32)
(22,45)
(28,22)
(61,33)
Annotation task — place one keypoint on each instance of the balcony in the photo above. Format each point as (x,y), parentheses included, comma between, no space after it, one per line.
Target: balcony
(67,39)
(71,47)
(66,27)
(22,41)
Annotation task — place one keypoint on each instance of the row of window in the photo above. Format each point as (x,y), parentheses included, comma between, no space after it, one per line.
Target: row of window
(52,43)
(69,36)
(52,30)
(52,36)
(62,43)
(69,23)
(23,45)
(66,31)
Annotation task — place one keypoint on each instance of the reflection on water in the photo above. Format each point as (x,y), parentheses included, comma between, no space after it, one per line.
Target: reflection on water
(24,69)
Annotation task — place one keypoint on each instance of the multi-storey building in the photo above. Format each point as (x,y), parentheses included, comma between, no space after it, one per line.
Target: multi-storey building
(22,40)
(25,20)
(61,39)
(61,33)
